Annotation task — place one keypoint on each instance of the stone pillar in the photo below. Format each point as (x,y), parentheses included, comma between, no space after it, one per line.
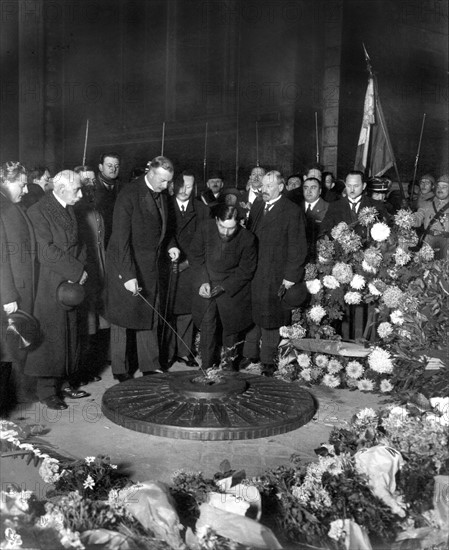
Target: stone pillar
(31,82)
(332,33)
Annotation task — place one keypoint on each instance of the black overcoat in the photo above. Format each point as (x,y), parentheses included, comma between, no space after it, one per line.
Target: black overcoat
(60,258)
(138,231)
(17,264)
(282,251)
(229,264)
(182,229)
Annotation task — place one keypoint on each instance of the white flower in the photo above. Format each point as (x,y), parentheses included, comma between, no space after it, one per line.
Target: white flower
(380,232)
(330,381)
(316,313)
(49,470)
(365,384)
(379,360)
(113,466)
(329,281)
(89,459)
(386,386)
(401,257)
(89,482)
(398,412)
(336,529)
(334,366)
(368,267)
(358,282)
(384,330)
(306,375)
(12,539)
(71,539)
(353,298)
(342,272)
(397,317)
(374,290)
(354,369)
(314,286)
(366,414)
(303,360)
(321,361)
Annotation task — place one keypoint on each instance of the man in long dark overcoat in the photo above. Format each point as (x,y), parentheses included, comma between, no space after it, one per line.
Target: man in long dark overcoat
(61,259)
(282,249)
(132,258)
(223,257)
(185,213)
(18,277)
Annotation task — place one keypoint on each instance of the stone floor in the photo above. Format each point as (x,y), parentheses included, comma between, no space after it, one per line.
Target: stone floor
(82,430)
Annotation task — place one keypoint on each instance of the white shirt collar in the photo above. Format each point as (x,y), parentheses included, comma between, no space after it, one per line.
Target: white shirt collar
(252,195)
(148,184)
(184,203)
(312,204)
(273,201)
(61,202)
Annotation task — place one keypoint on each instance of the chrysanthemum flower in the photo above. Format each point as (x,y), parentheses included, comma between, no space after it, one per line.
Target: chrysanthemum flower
(330,381)
(366,414)
(367,215)
(311,272)
(426,253)
(354,369)
(380,232)
(342,272)
(368,267)
(89,482)
(315,373)
(314,286)
(353,298)
(365,384)
(392,297)
(401,257)
(358,282)
(373,256)
(329,281)
(303,360)
(404,219)
(397,317)
(339,230)
(306,375)
(384,330)
(334,366)
(321,361)
(316,313)
(386,386)
(379,360)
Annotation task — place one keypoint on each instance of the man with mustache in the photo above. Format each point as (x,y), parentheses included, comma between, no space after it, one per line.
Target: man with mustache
(279,227)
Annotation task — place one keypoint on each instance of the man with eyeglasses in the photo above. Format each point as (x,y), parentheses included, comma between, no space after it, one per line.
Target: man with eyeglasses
(107,188)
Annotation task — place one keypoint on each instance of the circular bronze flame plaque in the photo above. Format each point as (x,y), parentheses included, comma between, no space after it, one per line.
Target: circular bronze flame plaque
(243,406)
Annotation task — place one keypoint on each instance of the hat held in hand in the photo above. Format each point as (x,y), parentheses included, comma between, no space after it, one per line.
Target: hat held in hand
(70,295)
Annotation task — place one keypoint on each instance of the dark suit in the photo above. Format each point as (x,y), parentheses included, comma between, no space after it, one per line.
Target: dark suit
(133,253)
(282,251)
(182,227)
(35,193)
(231,265)
(17,284)
(340,211)
(314,218)
(105,201)
(61,259)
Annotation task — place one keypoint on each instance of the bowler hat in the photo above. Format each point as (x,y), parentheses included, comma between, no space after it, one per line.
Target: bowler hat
(295,296)
(23,332)
(70,295)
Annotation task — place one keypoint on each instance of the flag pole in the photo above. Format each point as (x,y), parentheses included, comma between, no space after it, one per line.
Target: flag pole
(85,142)
(417,156)
(257,143)
(316,137)
(163,139)
(205,154)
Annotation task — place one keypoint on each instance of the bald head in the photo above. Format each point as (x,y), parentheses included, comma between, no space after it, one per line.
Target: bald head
(67,186)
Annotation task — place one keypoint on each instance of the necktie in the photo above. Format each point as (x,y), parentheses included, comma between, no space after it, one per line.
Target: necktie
(266,209)
(354,211)
(183,210)
(309,210)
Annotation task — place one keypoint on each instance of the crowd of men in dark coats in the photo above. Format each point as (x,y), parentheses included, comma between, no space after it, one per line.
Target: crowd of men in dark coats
(124,273)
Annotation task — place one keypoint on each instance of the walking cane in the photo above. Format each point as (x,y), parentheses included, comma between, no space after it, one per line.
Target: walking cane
(169,326)
(174,270)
